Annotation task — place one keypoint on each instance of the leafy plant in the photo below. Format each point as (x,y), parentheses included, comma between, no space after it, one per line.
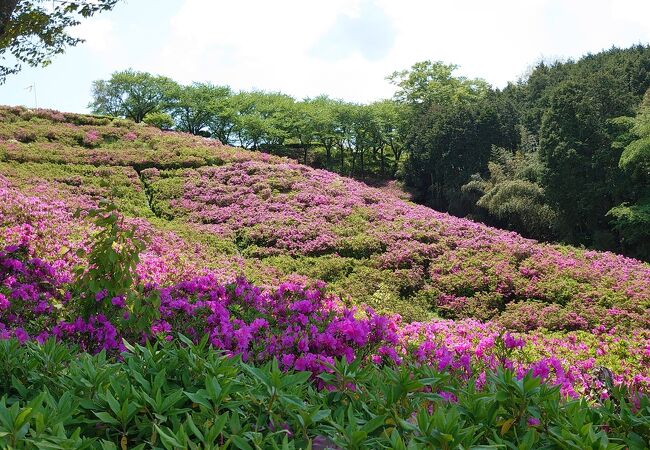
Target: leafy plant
(107,282)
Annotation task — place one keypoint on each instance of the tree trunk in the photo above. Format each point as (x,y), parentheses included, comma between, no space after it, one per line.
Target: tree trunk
(361,168)
(397,154)
(7,8)
(328,155)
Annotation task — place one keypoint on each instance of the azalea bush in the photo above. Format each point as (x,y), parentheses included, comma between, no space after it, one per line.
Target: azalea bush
(48,136)
(105,302)
(236,212)
(459,268)
(244,301)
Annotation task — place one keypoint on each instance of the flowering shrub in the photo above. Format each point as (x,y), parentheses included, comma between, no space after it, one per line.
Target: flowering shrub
(91,138)
(247,212)
(300,326)
(522,327)
(28,294)
(467,269)
(130,136)
(41,136)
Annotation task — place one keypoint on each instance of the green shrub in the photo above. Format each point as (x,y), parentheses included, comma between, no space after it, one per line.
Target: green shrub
(169,395)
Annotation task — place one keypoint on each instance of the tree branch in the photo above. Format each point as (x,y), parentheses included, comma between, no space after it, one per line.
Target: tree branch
(7,8)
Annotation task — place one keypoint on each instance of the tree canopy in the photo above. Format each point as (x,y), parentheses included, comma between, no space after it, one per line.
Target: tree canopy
(133,94)
(33,31)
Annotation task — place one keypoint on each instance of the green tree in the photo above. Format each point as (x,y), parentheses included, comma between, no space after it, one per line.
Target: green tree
(222,120)
(131,94)
(33,31)
(632,219)
(511,196)
(159,119)
(454,121)
(194,107)
(368,138)
(582,179)
(448,144)
(344,118)
(302,125)
(324,117)
(250,126)
(427,83)
(569,107)
(262,118)
(392,119)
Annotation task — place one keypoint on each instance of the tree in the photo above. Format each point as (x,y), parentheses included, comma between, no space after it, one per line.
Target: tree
(367,137)
(262,118)
(392,120)
(582,179)
(302,127)
(344,114)
(632,219)
(454,121)
(323,112)
(512,196)
(222,122)
(427,83)
(448,144)
(131,94)
(250,125)
(159,119)
(33,31)
(195,106)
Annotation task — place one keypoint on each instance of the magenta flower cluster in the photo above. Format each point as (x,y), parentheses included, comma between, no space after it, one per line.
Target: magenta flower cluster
(559,311)
(301,326)
(467,269)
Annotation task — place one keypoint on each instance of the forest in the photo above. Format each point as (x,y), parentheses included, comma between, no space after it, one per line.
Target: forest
(562,154)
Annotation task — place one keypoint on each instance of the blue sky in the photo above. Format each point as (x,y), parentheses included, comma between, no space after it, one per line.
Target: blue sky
(344,48)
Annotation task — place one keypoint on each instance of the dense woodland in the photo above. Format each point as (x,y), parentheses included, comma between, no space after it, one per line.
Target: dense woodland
(563,154)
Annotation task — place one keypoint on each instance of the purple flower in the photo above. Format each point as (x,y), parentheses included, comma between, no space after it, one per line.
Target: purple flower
(21,335)
(448,397)
(101,295)
(512,342)
(533,421)
(118,301)
(4,303)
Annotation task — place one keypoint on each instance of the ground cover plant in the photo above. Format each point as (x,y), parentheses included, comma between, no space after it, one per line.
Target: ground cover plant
(99,360)
(264,260)
(166,395)
(278,218)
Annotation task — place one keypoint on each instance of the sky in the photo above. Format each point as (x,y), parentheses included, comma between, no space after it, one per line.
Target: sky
(343,48)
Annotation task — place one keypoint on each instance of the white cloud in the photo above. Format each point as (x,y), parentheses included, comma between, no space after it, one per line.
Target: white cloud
(344,48)
(98,34)
(634,11)
(270,45)
(267,45)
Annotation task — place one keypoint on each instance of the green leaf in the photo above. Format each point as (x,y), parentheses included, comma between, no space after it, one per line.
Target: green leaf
(240,442)
(106,418)
(169,440)
(373,424)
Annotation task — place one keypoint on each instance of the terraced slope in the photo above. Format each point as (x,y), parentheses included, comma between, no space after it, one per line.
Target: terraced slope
(207,209)
(273,219)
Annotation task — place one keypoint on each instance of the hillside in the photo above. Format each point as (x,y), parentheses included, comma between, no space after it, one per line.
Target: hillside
(233,211)
(238,244)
